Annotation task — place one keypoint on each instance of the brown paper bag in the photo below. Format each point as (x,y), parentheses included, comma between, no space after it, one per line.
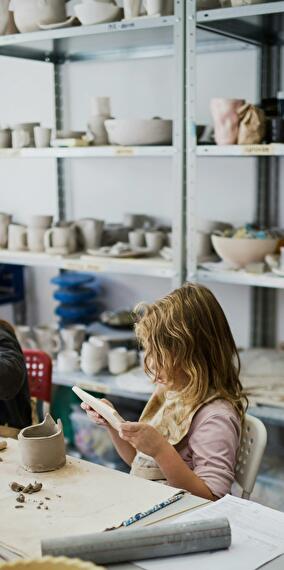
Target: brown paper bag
(252,125)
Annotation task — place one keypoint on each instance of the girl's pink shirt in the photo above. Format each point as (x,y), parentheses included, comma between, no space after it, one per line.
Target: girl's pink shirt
(212,445)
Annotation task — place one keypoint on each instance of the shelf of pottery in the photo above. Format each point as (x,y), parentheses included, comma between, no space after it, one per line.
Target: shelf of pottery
(138,245)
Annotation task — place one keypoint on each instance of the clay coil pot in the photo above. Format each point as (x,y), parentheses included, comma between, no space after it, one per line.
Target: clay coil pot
(42,446)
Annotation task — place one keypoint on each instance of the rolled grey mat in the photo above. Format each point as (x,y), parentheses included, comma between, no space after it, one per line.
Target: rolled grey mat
(142,543)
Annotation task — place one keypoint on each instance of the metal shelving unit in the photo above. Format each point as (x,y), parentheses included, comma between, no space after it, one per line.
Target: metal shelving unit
(140,38)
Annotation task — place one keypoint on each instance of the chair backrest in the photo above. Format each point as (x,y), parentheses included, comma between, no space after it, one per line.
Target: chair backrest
(252,446)
(39,369)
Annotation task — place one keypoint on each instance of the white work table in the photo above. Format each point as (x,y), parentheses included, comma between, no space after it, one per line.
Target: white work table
(82,498)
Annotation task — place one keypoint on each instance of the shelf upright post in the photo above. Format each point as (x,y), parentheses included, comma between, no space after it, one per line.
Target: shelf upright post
(264,300)
(191,253)
(61,121)
(179,140)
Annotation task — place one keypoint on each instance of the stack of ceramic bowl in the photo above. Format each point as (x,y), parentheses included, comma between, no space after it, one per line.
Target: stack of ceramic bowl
(76,294)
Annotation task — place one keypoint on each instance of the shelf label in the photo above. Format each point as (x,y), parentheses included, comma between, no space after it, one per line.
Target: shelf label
(258,149)
(124,151)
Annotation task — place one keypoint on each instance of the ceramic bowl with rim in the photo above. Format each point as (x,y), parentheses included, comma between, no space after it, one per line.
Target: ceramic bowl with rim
(92,12)
(239,252)
(28,14)
(136,132)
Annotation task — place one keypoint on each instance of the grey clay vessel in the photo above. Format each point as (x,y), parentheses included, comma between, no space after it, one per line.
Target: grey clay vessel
(42,446)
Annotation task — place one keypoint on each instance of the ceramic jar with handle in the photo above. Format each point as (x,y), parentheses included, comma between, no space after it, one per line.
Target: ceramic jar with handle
(28,14)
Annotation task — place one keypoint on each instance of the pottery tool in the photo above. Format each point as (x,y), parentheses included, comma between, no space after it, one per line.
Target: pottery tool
(143,543)
(107,412)
(153,509)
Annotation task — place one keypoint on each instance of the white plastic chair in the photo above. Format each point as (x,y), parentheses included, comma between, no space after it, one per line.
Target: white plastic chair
(252,446)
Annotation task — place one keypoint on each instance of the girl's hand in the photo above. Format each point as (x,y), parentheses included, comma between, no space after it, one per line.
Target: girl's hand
(94,416)
(143,437)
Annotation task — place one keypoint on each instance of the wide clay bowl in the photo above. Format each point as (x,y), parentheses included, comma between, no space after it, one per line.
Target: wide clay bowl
(132,132)
(239,252)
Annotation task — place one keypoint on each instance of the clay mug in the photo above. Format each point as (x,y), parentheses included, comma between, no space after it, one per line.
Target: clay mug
(28,128)
(48,339)
(21,138)
(137,238)
(73,337)
(25,336)
(132,8)
(40,222)
(5,138)
(35,239)
(101,348)
(90,232)
(68,361)
(5,220)
(154,7)
(226,120)
(118,360)
(134,221)
(42,137)
(17,237)
(155,240)
(60,239)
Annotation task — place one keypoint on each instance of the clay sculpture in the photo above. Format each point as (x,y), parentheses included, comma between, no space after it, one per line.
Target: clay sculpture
(42,446)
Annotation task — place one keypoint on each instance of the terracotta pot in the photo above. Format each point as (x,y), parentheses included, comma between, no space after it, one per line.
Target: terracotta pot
(29,13)
(226,120)
(42,446)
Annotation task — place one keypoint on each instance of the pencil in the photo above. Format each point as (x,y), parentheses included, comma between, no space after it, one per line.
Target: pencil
(153,509)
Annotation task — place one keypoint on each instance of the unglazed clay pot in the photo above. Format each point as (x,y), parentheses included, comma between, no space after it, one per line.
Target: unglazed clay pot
(28,14)
(226,119)
(42,446)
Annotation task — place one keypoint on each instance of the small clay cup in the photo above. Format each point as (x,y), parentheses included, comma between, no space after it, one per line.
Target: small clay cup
(42,446)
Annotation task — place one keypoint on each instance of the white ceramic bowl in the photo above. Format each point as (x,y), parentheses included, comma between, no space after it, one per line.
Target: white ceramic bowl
(131,132)
(239,252)
(90,13)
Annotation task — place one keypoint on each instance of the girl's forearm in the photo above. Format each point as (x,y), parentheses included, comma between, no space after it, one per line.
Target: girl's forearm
(123,448)
(178,474)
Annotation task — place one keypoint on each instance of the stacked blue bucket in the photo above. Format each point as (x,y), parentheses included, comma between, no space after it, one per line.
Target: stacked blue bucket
(77,297)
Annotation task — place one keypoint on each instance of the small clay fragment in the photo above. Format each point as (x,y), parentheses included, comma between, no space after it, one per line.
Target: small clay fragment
(16,487)
(38,507)
(19,506)
(1,459)
(21,498)
(46,508)
(3,445)
(32,488)
(47,498)
(41,503)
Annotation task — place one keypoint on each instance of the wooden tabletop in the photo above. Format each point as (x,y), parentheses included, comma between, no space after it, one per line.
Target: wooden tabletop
(79,498)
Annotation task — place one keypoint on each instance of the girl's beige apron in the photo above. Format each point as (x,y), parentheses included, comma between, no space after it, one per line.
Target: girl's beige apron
(171,414)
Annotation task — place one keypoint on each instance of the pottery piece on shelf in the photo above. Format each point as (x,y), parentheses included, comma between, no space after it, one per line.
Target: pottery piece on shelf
(42,137)
(28,13)
(90,232)
(89,13)
(226,119)
(61,238)
(5,220)
(40,221)
(5,137)
(132,132)
(4,16)
(66,24)
(159,7)
(17,237)
(240,252)
(132,8)
(42,446)
(96,125)
(73,336)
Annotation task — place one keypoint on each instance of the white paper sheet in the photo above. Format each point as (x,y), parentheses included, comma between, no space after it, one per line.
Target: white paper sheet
(257,538)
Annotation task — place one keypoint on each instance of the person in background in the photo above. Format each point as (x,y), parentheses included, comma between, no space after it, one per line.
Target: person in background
(15,407)
(189,432)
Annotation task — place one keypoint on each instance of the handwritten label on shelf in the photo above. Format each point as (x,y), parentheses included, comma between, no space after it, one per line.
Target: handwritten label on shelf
(258,149)
(124,151)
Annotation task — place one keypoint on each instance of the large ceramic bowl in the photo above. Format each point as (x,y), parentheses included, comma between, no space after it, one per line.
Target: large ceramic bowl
(93,12)
(132,132)
(28,14)
(239,252)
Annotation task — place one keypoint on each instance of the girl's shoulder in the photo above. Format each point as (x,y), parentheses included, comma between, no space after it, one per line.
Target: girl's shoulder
(219,407)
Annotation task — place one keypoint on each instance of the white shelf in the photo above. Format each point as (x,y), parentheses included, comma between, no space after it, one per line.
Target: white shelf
(241,278)
(89,152)
(152,267)
(83,31)
(104,382)
(240,12)
(241,150)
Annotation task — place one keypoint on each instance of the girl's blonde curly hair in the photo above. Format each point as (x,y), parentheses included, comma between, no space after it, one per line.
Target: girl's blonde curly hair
(186,333)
